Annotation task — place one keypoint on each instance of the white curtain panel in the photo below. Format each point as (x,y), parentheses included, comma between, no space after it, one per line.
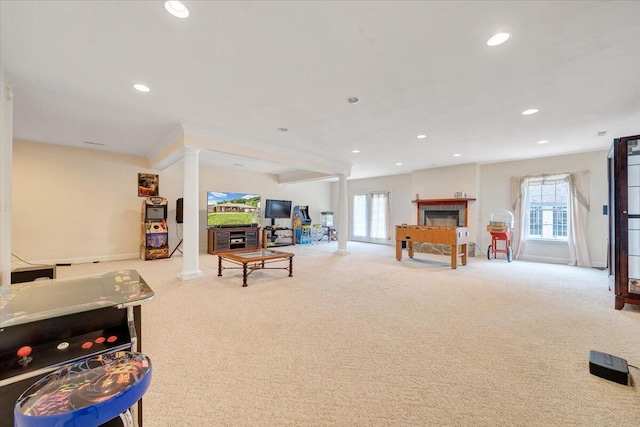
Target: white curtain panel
(578,213)
(517,206)
(380,216)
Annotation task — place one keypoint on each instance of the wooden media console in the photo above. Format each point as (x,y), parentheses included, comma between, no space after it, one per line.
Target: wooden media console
(456,237)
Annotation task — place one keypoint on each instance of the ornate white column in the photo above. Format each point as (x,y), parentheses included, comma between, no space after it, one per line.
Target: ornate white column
(190,243)
(343,204)
(6,171)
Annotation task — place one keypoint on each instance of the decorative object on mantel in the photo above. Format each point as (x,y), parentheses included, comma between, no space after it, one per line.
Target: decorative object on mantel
(444,199)
(459,194)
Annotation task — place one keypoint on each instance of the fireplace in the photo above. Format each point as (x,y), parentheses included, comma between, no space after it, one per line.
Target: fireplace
(443,212)
(448,216)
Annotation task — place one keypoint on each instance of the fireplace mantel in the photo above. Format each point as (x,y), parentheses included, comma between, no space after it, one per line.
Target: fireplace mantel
(449,201)
(454,203)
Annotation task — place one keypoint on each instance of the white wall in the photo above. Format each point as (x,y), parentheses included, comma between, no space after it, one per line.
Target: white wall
(496,194)
(73,205)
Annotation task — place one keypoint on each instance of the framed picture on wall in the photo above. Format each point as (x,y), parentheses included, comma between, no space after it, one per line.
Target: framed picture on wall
(148,185)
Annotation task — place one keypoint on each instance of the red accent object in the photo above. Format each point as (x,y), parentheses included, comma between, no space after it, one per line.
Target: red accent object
(87,344)
(493,251)
(100,340)
(24,351)
(112,338)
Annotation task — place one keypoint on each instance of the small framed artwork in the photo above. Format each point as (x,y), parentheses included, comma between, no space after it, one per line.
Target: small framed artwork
(148,185)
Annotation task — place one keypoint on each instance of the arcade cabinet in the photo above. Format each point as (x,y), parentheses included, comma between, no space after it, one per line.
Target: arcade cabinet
(48,324)
(154,240)
(300,218)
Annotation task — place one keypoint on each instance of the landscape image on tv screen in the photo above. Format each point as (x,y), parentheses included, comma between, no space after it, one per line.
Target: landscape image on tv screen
(226,209)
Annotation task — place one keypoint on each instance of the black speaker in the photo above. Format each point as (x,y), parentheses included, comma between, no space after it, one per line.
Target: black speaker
(179,211)
(609,367)
(31,273)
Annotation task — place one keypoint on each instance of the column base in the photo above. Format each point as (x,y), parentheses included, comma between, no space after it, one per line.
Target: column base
(342,252)
(190,275)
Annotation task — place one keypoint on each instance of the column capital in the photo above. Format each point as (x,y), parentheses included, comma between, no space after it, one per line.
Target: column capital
(192,151)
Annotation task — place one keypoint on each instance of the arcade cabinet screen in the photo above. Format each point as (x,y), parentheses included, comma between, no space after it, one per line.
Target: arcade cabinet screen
(156,213)
(225,209)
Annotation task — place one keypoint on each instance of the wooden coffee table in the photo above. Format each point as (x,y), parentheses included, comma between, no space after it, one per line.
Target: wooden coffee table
(254,260)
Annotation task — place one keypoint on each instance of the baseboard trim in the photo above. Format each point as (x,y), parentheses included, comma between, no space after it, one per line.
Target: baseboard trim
(547,260)
(190,275)
(550,260)
(87,260)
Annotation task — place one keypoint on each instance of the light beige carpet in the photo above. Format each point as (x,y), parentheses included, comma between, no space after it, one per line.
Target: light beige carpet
(365,340)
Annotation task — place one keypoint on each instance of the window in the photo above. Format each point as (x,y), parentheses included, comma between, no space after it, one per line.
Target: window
(547,207)
(371,213)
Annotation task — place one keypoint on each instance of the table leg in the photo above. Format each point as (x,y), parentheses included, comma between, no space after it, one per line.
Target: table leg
(290,266)
(464,254)
(410,248)
(219,266)
(399,250)
(454,256)
(244,274)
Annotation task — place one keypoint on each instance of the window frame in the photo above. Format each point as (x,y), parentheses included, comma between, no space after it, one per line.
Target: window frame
(551,208)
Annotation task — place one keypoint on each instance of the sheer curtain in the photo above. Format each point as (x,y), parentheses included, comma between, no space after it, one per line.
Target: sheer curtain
(359,216)
(518,195)
(578,212)
(578,184)
(380,214)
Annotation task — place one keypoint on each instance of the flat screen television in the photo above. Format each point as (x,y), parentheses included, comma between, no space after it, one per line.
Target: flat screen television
(225,209)
(275,209)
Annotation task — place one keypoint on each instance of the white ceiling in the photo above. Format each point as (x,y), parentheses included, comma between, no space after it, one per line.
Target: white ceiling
(238,71)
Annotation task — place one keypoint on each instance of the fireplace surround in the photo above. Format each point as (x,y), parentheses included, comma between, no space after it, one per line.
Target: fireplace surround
(434,216)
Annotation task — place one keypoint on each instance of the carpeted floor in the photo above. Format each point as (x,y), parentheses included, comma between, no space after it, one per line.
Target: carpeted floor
(365,340)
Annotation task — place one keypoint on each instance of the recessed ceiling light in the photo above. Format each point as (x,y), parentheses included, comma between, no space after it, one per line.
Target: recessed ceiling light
(457,155)
(141,88)
(398,164)
(422,136)
(238,165)
(176,8)
(530,111)
(497,39)
(94,143)
(544,141)
(355,151)
(602,133)
(353,100)
(283,129)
